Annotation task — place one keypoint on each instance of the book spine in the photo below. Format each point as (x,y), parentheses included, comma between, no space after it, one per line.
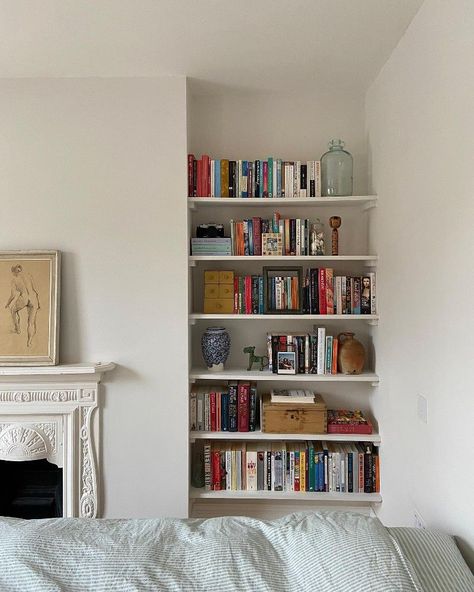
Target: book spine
(322,291)
(253,402)
(258,181)
(329,291)
(321,349)
(212,178)
(260,470)
(243,407)
(191,175)
(212,404)
(225,412)
(216,469)
(317,178)
(373,298)
(207,466)
(225,178)
(193,411)
(265,179)
(257,236)
(356,296)
(311,467)
(270,176)
(233,408)
(206,175)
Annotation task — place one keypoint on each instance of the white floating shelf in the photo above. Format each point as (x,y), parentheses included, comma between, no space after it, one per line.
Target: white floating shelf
(246,436)
(368,259)
(196,316)
(265,375)
(352,200)
(367,498)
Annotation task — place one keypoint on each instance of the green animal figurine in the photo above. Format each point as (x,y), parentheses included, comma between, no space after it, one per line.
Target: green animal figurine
(255,359)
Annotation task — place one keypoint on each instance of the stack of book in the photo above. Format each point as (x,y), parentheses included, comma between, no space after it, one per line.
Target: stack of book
(291,466)
(325,293)
(273,177)
(217,246)
(226,408)
(315,353)
(292,396)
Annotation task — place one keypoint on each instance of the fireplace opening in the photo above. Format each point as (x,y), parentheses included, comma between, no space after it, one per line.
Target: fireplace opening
(31,489)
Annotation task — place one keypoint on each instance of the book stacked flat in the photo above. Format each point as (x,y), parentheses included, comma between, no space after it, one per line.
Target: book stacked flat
(342,421)
(217,246)
(292,396)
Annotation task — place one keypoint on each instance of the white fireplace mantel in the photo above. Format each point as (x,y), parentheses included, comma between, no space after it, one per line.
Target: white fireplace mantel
(48,412)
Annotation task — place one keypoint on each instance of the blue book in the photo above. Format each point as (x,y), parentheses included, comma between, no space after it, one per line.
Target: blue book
(260,295)
(321,473)
(250,231)
(311,467)
(245,177)
(350,473)
(225,412)
(217,178)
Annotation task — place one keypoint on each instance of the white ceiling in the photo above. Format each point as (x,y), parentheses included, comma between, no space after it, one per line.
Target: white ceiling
(255,44)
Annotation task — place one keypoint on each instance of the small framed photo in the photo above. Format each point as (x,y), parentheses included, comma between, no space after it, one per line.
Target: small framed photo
(29,308)
(286,362)
(282,288)
(272,244)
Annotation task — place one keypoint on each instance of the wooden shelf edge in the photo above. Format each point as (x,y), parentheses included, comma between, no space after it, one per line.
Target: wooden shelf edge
(265,375)
(247,436)
(357,498)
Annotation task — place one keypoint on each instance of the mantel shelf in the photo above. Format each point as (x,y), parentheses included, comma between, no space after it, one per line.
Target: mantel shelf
(260,436)
(367,498)
(67,369)
(266,375)
(352,200)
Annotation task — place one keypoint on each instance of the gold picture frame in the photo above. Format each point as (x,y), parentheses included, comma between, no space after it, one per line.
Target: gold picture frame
(29,307)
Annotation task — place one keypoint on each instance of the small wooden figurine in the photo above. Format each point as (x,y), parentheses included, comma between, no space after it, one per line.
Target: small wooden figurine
(255,359)
(335,222)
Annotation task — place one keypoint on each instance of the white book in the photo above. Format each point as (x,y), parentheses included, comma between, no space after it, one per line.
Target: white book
(206,413)
(251,456)
(290,484)
(228,467)
(278,293)
(373,293)
(343,293)
(306,354)
(239,178)
(317,178)
(298,236)
(310,173)
(321,350)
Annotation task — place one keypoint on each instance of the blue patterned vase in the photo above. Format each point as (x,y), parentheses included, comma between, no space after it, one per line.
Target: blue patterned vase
(215,345)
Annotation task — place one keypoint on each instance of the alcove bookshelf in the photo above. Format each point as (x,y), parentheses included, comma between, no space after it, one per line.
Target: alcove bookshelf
(340,390)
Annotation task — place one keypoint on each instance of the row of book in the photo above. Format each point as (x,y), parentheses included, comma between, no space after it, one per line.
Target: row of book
(326,293)
(275,236)
(273,177)
(249,294)
(225,408)
(309,353)
(291,466)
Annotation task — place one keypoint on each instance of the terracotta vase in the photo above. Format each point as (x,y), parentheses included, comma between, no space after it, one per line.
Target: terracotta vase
(351,354)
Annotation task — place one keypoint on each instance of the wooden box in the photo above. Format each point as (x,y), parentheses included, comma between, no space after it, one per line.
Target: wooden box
(218,305)
(301,418)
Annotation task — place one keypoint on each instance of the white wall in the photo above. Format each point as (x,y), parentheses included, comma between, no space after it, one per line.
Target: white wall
(294,126)
(96,168)
(421,128)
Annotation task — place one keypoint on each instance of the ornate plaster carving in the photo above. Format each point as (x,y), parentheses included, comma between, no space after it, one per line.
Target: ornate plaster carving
(88,502)
(56,396)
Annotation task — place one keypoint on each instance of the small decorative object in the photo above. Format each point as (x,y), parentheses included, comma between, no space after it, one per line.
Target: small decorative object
(316,242)
(282,290)
(253,359)
(271,243)
(215,345)
(336,170)
(29,311)
(335,222)
(351,354)
(286,363)
(218,292)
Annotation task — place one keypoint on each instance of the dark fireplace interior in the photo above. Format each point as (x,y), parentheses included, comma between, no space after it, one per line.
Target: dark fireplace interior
(31,489)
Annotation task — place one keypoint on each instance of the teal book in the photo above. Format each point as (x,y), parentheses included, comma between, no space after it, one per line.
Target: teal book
(270,176)
(217,178)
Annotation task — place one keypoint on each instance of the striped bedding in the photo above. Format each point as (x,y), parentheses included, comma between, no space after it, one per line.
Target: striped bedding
(323,551)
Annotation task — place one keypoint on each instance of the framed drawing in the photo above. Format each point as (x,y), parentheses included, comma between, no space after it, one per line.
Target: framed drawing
(29,308)
(282,290)
(271,244)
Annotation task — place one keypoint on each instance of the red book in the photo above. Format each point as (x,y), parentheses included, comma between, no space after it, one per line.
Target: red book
(216,469)
(265,178)
(248,294)
(322,291)
(243,407)
(199,178)
(206,175)
(190,175)
(212,411)
(342,421)
(257,236)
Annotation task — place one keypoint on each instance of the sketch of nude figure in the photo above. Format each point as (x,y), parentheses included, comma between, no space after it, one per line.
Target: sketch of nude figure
(23,295)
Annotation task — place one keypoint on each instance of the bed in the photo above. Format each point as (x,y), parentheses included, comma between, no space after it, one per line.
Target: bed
(312,551)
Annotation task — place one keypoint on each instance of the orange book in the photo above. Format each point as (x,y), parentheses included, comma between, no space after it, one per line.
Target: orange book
(224,178)
(335,346)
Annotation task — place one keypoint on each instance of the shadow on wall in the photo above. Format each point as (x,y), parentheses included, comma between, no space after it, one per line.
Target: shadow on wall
(70,338)
(466,551)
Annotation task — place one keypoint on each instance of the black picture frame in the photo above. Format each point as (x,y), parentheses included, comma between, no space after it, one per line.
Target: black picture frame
(269,273)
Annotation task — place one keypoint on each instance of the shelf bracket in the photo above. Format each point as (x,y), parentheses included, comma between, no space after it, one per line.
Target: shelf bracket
(373,322)
(192,321)
(371,263)
(191,262)
(192,206)
(377,383)
(369,205)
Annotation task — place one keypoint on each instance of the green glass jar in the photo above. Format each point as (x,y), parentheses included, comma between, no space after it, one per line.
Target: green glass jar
(336,170)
